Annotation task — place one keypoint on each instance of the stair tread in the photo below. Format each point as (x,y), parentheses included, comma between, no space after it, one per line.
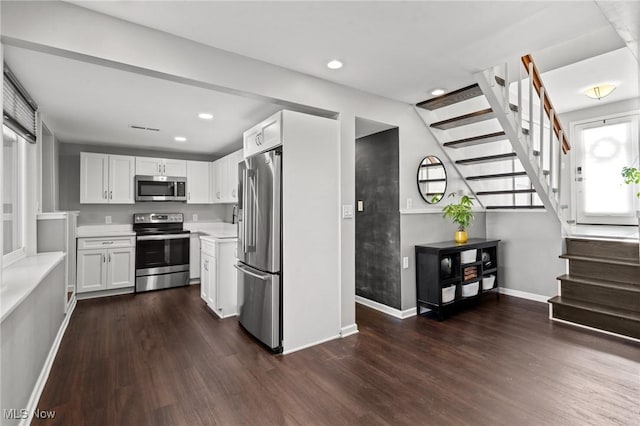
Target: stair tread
(599,260)
(476,140)
(460,95)
(516,207)
(595,307)
(601,283)
(487,158)
(497,175)
(463,120)
(507,191)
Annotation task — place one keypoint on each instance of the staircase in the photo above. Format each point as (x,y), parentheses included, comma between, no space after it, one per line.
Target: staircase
(602,288)
(509,158)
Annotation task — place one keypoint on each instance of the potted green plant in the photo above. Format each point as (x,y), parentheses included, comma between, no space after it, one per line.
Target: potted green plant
(631,175)
(460,214)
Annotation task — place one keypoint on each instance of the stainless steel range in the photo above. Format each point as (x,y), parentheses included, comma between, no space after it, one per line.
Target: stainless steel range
(162,251)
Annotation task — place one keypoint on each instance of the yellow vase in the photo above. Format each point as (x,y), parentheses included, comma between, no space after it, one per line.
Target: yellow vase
(461,237)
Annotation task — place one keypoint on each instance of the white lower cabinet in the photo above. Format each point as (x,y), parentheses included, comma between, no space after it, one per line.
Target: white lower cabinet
(109,266)
(219,288)
(194,256)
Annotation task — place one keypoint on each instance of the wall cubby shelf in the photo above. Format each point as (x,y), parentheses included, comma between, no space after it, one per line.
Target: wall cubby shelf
(452,275)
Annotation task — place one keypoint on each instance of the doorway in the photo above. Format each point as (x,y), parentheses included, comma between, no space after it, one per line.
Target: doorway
(377,214)
(603,148)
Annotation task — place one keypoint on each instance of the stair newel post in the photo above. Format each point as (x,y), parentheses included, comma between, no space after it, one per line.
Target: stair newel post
(552,152)
(520,78)
(542,95)
(531,88)
(559,164)
(505,89)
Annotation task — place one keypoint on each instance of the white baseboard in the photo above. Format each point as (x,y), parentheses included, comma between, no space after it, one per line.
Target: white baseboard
(105,293)
(46,368)
(523,294)
(397,313)
(594,329)
(299,348)
(349,330)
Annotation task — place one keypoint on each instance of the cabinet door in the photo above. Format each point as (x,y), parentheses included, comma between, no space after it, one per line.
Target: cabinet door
(222,171)
(148,166)
(198,182)
(121,267)
(121,174)
(204,280)
(212,289)
(94,178)
(271,132)
(194,256)
(232,173)
(174,168)
(226,279)
(92,270)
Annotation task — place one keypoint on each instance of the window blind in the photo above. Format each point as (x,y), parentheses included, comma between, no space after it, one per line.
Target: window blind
(19,110)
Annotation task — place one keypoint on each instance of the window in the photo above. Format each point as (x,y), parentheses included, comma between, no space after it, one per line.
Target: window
(12,195)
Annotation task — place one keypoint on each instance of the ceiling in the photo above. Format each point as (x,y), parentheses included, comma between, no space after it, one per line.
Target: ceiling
(87,103)
(400,50)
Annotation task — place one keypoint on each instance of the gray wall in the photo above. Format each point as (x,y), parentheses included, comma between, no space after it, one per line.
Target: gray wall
(528,257)
(26,339)
(92,214)
(378,226)
(49,171)
(429,228)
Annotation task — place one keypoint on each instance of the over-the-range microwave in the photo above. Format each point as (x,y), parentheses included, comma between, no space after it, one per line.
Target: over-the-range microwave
(160,188)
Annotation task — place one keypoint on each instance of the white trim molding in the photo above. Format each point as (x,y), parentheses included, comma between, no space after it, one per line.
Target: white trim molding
(397,313)
(46,368)
(524,294)
(349,330)
(299,348)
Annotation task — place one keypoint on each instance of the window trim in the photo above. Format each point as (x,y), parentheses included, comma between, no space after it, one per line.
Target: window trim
(19,253)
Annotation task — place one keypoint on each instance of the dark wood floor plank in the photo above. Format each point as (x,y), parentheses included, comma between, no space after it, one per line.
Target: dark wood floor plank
(162,358)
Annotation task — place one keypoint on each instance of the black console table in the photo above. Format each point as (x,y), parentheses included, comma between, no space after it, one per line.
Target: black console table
(450,274)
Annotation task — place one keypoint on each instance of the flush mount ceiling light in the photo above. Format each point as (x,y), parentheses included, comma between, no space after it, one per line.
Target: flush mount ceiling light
(437,92)
(205,116)
(334,65)
(599,91)
(180,139)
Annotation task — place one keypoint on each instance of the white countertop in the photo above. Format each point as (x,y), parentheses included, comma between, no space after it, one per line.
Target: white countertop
(20,279)
(213,229)
(87,231)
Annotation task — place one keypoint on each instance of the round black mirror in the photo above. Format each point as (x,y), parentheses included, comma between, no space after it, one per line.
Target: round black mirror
(432,179)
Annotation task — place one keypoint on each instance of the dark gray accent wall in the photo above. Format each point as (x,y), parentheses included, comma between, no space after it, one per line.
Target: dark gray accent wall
(94,214)
(378,226)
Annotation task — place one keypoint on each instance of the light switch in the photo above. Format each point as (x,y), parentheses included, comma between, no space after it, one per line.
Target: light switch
(107,220)
(194,217)
(347,211)
(409,203)
(405,263)
(360,205)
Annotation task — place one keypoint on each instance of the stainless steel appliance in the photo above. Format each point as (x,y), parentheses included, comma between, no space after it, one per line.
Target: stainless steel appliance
(162,251)
(259,247)
(160,188)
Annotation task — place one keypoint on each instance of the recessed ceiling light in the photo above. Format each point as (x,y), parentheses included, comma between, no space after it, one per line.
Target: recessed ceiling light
(180,139)
(205,116)
(334,65)
(437,92)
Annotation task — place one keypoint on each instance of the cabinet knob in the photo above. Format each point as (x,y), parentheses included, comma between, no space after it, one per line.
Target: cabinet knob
(105,195)
(111,195)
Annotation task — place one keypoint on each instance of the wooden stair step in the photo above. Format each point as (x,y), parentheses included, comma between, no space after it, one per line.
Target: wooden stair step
(488,158)
(601,268)
(497,176)
(615,320)
(515,207)
(603,292)
(470,118)
(476,140)
(599,259)
(507,191)
(624,250)
(460,95)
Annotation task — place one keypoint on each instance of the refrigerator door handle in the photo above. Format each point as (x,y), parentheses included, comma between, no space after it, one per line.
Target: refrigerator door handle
(253,274)
(244,211)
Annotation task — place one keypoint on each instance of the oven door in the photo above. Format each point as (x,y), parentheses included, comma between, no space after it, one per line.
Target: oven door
(162,254)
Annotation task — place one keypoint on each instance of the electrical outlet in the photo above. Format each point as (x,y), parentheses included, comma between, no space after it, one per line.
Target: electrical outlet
(405,263)
(107,220)
(194,217)
(360,205)
(409,203)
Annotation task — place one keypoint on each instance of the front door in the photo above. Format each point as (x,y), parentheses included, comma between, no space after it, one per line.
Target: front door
(603,148)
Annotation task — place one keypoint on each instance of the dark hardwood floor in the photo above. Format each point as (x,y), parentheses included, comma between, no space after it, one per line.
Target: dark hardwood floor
(161,358)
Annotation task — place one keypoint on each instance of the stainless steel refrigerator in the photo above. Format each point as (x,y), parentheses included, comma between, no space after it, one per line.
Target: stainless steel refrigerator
(259,247)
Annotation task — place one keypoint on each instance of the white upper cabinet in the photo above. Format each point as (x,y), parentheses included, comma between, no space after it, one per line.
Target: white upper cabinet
(225,178)
(199,182)
(106,178)
(149,166)
(264,136)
